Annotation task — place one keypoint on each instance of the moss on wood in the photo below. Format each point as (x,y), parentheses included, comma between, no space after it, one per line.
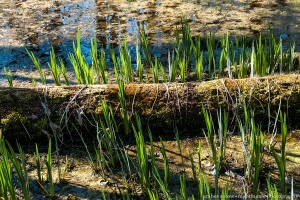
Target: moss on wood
(160,106)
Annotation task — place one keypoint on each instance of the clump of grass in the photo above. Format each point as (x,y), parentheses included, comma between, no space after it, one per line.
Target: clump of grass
(253,146)
(99,62)
(272,190)
(213,147)
(63,71)
(193,167)
(211,46)
(38,66)
(218,156)
(166,164)
(257,148)
(281,160)
(7,190)
(8,77)
(199,67)
(48,161)
(54,68)
(84,74)
(139,65)
(124,113)
(38,164)
(142,156)
(20,169)
(173,65)
(145,47)
(33,81)
(204,188)
(183,190)
(155,70)
(178,145)
(124,63)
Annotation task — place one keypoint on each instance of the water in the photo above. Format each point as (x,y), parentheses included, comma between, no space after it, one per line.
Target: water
(37,25)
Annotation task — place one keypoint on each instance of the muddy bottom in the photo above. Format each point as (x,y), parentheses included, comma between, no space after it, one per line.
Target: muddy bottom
(80,180)
(36,25)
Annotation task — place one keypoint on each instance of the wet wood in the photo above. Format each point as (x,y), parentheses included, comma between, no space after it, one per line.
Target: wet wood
(161,106)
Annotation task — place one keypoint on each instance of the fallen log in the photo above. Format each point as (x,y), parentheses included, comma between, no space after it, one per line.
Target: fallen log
(27,112)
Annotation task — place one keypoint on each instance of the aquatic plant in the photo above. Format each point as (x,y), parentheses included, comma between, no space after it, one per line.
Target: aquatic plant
(139,65)
(54,68)
(38,66)
(211,47)
(199,67)
(98,62)
(225,56)
(155,70)
(63,71)
(84,74)
(125,60)
(145,47)
(236,59)
(8,77)
(121,94)
(173,66)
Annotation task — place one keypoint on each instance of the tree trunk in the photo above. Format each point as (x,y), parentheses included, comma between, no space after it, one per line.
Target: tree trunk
(28,112)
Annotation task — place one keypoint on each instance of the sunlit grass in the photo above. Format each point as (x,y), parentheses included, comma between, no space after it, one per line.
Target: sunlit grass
(226,56)
(8,77)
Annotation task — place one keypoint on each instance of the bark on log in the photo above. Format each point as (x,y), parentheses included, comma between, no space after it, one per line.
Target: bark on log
(25,112)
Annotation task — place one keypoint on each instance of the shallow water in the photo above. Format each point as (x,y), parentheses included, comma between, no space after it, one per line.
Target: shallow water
(37,25)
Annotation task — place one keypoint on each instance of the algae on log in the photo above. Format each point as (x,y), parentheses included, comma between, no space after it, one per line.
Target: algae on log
(160,106)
